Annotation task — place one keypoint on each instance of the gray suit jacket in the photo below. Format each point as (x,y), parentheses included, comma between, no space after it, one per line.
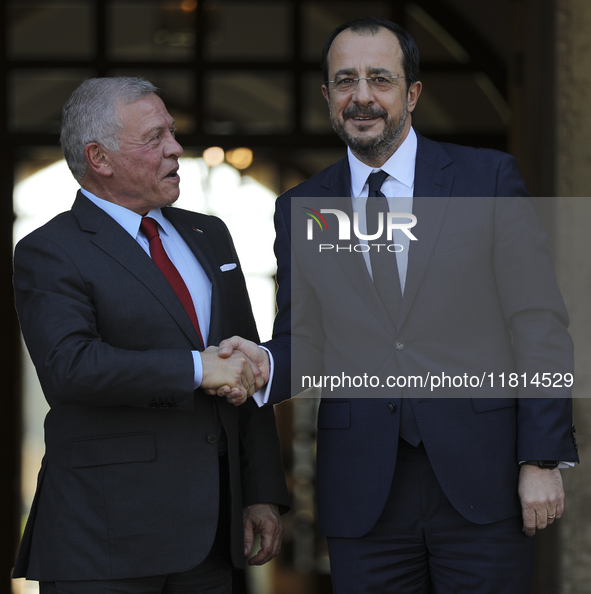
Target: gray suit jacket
(129,483)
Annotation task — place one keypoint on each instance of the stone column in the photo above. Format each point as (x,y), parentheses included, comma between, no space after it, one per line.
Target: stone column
(571,82)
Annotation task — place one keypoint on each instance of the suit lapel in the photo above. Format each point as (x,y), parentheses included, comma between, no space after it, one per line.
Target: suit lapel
(117,243)
(198,241)
(338,185)
(431,179)
(338,180)
(433,186)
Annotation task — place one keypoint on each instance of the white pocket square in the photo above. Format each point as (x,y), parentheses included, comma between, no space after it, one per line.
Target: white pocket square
(226,267)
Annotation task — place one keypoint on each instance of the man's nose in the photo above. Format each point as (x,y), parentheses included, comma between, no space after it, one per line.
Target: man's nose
(173,148)
(363,93)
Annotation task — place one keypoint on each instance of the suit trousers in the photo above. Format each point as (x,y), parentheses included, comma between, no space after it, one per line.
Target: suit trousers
(212,576)
(422,545)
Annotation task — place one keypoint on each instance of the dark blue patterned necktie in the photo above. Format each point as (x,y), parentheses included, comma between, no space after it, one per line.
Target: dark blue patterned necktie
(387,283)
(383,262)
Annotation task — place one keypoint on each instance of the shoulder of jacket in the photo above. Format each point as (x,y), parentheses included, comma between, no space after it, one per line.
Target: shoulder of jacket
(461,153)
(317,184)
(197,219)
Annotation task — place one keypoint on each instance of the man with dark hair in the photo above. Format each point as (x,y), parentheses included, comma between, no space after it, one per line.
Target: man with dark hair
(371,26)
(422,489)
(148,484)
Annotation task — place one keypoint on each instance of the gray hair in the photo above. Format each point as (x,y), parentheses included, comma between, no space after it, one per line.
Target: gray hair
(90,115)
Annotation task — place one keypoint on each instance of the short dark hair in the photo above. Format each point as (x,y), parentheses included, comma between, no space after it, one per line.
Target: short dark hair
(371,25)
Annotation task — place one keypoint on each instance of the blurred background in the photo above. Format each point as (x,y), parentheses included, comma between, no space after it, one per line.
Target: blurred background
(242,80)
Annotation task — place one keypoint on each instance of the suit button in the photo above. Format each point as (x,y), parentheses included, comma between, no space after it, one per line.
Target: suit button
(391,407)
(399,345)
(212,438)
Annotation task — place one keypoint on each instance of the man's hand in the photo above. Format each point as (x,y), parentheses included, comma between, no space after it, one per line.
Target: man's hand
(235,372)
(263,519)
(259,362)
(541,495)
(253,351)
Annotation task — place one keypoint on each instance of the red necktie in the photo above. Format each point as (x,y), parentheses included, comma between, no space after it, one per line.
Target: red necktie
(149,228)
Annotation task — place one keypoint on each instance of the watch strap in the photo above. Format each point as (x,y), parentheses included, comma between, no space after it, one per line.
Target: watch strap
(548,464)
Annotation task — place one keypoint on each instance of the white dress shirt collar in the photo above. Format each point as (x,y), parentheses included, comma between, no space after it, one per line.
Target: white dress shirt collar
(128,219)
(400,166)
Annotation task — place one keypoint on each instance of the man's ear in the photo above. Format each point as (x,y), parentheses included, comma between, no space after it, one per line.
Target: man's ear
(325,93)
(413,95)
(98,161)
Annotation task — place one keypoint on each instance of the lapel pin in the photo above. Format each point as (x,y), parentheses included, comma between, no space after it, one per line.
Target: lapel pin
(198,230)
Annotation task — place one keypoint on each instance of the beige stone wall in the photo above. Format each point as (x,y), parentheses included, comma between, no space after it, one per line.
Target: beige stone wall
(572,83)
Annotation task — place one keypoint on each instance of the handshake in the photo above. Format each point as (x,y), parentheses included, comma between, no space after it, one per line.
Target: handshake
(235,369)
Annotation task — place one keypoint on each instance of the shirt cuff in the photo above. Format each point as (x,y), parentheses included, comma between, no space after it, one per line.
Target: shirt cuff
(198,368)
(262,396)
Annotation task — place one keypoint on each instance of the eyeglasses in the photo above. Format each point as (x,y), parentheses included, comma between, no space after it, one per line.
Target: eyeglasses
(378,82)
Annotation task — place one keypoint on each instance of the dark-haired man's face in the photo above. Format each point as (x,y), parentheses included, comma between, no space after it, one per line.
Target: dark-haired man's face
(373,123)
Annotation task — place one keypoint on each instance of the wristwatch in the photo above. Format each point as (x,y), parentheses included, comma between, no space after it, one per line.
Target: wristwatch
(549,464)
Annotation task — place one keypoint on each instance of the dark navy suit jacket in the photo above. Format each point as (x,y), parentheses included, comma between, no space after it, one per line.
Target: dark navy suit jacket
(480,298)
(129,482)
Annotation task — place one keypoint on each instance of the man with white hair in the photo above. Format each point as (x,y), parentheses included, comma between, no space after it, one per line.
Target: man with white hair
(148,484)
